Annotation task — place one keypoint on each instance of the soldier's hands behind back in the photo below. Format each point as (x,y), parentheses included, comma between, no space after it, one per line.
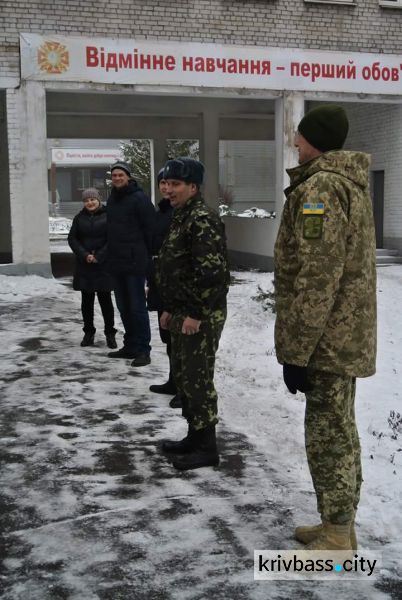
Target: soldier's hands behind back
(190,326)
(296,379)
(165,319)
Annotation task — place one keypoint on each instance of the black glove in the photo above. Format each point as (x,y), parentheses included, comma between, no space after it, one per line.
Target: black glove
(296,378)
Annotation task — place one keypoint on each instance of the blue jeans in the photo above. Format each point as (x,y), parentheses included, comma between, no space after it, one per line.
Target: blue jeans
(129,291)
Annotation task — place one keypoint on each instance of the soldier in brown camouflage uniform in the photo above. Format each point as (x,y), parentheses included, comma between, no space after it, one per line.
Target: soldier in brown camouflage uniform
(193,279)
(325,332)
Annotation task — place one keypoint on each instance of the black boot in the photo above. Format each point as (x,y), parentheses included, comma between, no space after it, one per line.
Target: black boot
(111,339)
(165,388)
(88,339)
(203,453)
(122,353)
(141,360)
(176,402)
(181,447)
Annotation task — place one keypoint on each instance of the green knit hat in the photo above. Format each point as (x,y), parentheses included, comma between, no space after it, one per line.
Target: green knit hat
(325,127)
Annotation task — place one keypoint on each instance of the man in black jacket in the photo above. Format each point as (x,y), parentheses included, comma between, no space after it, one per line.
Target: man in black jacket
(130,221)
(163,220)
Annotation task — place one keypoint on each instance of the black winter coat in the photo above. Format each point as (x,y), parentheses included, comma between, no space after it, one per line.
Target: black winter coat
(130,222)
(88,236)
(163,219)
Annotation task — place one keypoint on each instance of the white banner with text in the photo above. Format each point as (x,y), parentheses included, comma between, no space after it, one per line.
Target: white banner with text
(122,61)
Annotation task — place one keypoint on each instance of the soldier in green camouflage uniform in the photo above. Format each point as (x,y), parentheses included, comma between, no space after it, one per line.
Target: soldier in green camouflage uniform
(193,279)
(325,331)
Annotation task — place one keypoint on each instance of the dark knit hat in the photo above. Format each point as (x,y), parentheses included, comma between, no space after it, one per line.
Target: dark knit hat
(325,127)
(185,169)
(120,164)
(91,193)
(160,175)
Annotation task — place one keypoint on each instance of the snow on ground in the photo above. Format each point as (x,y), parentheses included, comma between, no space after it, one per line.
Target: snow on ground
(90,508)
(59,226)
(20,289)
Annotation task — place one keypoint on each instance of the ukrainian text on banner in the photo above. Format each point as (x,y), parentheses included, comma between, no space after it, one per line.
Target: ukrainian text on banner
(146,62)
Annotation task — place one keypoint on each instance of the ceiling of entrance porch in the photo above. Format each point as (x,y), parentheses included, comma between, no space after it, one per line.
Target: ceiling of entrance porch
(89,115)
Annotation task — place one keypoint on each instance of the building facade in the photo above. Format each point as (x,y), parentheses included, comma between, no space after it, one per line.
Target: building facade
(74,165)
(214,70)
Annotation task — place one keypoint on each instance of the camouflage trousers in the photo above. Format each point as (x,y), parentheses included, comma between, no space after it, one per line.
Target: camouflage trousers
(193,364)
(332,445)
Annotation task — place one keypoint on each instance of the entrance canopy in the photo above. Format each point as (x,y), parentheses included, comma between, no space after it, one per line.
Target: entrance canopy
(159,118)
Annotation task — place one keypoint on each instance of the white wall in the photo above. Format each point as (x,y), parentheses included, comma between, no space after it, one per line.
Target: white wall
(251,241)
(377,130)
(248,169)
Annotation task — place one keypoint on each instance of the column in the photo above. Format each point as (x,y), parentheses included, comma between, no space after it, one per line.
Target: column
(34,224)
(288,112)
(14,116)
(5,220)
(209,155)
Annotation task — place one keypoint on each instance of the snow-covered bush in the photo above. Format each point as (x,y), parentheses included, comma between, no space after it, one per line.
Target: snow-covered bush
(266,298)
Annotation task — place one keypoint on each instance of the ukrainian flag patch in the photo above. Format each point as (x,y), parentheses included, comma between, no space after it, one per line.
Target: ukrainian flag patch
(313,209)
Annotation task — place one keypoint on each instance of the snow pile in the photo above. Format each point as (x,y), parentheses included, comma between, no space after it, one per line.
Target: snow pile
(386,445)
(254,212)
(59,226)
(225,211)
(19,289)
(258,213)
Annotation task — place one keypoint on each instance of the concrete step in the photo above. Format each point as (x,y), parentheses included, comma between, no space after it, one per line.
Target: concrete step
(386,252)
(387,256)
(389,260)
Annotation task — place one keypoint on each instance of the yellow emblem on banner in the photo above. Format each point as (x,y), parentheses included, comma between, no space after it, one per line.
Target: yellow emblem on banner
(53,57)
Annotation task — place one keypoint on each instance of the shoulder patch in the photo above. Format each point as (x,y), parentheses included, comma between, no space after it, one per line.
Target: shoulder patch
(313,209)
(312,226)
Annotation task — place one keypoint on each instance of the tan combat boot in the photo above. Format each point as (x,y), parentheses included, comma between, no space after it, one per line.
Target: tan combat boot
(307,533)
(332,537)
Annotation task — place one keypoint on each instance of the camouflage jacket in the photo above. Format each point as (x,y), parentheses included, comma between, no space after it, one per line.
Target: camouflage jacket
(192,271)
(325,272)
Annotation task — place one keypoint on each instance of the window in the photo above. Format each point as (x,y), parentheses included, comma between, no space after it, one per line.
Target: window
(83,178)
(391,3)
(350,2)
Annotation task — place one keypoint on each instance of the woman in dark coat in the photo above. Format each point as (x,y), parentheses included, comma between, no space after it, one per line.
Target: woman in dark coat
(87,239)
